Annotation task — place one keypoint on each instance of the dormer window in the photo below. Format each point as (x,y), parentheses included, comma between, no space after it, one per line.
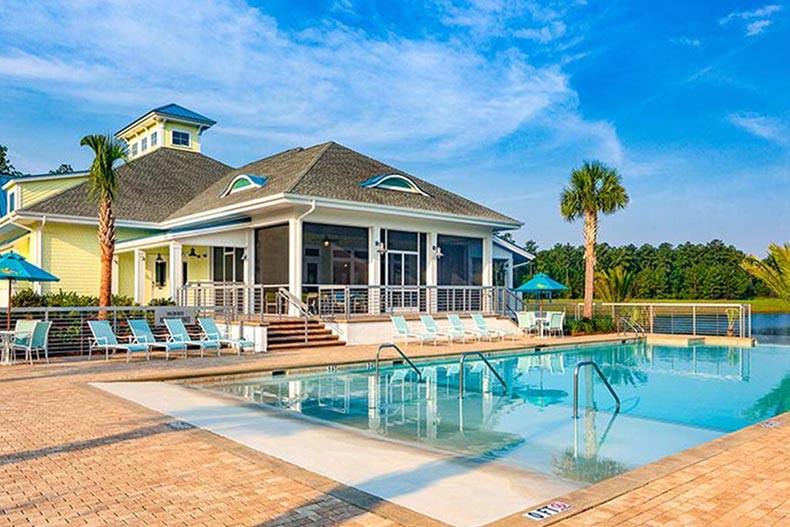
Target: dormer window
(181,138)
(144,144)
(154,138)
(134,149)
(11,201)
(393,182)
(244,182)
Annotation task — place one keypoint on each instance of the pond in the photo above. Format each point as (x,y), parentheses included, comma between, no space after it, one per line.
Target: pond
(771,327)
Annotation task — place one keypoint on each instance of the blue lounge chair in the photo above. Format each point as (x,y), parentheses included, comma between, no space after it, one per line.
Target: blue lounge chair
(142,334)
(178,333)
(103,337)
(433,329)
(482,327)
(402,330)
(211,333)
(457,324)
(36,341)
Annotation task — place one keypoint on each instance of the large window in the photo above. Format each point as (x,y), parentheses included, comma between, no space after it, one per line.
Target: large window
(461,262)
(228,264)
(334,255)
(180,138)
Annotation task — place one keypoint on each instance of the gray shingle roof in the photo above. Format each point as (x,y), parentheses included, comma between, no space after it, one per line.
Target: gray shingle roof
(334,171)
(150,189)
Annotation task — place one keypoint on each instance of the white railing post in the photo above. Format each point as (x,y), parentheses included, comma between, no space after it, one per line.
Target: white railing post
(693,320)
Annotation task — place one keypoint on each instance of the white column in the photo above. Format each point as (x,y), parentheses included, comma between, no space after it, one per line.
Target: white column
(175,272)
(139,276)
(37,254)
(115,271)
(249,263)
(295,260)
(488,271)
(509,272)
(432,270)
(374,269)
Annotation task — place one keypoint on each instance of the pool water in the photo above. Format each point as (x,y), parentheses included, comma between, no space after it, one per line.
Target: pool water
(672,398)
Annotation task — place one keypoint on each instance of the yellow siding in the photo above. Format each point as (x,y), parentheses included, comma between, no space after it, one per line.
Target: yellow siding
(198,269)
(126,274)
(194,144)
(35,191)
(71,252)
(20,246)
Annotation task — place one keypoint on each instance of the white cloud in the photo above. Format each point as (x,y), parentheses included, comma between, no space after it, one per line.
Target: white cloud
(755,28)
(544,34)
(423,98)
(768,128)
(756,20)
(686,41)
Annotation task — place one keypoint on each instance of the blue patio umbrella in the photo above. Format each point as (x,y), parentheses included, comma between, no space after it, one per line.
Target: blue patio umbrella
(15,267)
(541,283)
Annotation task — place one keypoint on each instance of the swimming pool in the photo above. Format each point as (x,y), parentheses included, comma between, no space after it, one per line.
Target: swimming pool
(672,398)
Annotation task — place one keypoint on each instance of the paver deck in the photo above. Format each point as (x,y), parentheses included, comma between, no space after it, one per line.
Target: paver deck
(73,455)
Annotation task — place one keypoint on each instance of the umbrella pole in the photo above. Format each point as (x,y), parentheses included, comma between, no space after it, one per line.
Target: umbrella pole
(8,309)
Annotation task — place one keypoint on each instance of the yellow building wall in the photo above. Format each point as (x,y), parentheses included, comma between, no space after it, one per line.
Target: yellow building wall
(71,252)
(126,274)
(197,269)
(35,191)
(194,143)
(21,246)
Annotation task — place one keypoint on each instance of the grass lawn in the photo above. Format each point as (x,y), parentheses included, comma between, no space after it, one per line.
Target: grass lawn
(759,305)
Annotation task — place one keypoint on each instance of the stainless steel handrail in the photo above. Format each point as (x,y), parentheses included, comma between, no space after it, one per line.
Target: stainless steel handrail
(405,357)
(579,366)
(635,326)
(461,372)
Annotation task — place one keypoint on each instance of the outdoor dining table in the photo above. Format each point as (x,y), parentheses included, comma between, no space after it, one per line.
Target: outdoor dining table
(542,321)
(7,337)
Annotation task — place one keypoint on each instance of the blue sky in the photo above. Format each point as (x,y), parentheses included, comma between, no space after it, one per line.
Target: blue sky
(497,100)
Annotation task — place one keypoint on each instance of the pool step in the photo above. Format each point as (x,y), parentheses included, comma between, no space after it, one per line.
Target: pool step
(290,334)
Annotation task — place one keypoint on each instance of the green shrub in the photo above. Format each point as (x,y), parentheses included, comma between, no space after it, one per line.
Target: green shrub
(28,298)
(161,302)
(587,326)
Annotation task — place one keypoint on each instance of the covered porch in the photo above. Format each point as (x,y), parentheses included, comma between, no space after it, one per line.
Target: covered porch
(328,267)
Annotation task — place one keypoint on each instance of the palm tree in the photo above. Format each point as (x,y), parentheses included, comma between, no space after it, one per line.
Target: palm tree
(103,186)
(615,285)
(594,188)
(774,270)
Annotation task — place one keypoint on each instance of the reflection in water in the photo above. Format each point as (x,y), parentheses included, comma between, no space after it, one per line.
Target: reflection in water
(530,424)
(775,402)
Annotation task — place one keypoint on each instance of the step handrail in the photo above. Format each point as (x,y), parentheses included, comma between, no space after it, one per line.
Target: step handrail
(400,351)
(284,294)
(635,326)
(485,361)
(579,366)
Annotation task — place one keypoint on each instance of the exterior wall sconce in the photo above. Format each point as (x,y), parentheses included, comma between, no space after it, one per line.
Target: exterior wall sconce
(244,256)
(327,242)
(437,251)
(379,247)
(159,257)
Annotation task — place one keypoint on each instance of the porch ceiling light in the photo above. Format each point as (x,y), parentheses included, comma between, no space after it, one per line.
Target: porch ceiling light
(327,242)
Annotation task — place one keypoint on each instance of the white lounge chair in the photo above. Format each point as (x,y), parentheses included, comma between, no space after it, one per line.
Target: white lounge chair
(402,330)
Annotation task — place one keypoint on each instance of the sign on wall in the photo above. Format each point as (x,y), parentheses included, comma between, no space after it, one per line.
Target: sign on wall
(187,314)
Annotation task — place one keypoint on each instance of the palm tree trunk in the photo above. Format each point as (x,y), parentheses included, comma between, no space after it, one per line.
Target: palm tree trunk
(590,235)
(106,252)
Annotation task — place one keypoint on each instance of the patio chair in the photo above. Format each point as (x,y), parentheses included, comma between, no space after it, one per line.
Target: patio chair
(178,333)
(527,322)
(103,337)
(433,329)
(36,341)
(402,330)
(557,323)
(23,333)
(142,334)
(457,324)
(211,333)
(482,326)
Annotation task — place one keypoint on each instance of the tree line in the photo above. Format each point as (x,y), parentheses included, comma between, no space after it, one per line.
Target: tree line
(687,271)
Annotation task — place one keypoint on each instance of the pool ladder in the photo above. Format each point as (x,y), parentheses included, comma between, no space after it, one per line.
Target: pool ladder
(400,352)
(485,361)
(595,367)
